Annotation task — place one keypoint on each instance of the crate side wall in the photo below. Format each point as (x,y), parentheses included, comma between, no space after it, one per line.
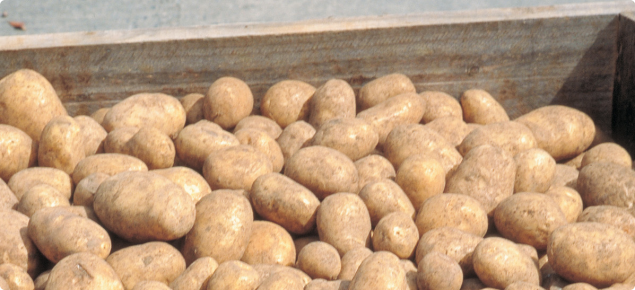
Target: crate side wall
(624,96)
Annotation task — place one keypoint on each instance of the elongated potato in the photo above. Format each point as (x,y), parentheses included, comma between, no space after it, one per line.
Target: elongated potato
(320,261)
(15,245)
(17,149)
(107,163)
(455,243)
(511,136)
(196,275)
(606,183)
(191,181)
(282,281)
(493,254)
(287,101)
(351,261)
(607,152)
(83,271)
(269,244)
(295,136)
(612,215)
(421,177)
(61,144)
(353,137)
(440,105)
(235,167)
(94,135)
(261,141)
(481,108)
(227,101)
(458,211)
(333,100)
(396,233)
(197,141)
(39,197)
(261,123)
(267,270)
(381,270)
(534,171)
(193,106)
(234,275)
(384,197)
(24,180)
(343,221)
(374,168)
(383,88)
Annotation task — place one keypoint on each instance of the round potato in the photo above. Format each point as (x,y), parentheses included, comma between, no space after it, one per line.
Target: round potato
(16,277)
(196,275)
(193,106)
(39,197)
(333,100)
(440,105)
(302,242)
(438,271)
(452,210)
(227,101)
(235,167)
(565,175)
(611,215)
(455,243)
(607,152)
(396,233)
(343,221)
(383,197)
(85,190)
(481,108)
(107,163)
(605,183)
(17,151)
(383,88)
(287,101)
(116,141)
(261,141)
(93,133)
(98,115)
(15,245)
(295,136)
(84,271)
(8,200)
(493,254)
(24,180)
(197,141)
(569,201)
(150,285)
(381,270)
(351,261)
(191,181)
(421,177)
(374,168)
(269,244)
(534,171)
(234,275)
(61,144)
(153,147)
(353,137)
(510,136)
(261,123)
(320,261)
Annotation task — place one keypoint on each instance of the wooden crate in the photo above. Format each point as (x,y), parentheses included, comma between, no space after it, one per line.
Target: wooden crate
(580,55)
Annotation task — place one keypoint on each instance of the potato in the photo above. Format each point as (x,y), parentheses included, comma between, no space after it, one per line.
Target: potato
(61,144)
(421,177)
(117,140)
(563,132)
(261,141)
(321,284)
(294,137)
(143,206)
(411,274)
(396,233)
(322,170)
(197,141)
(282,281)
(534,170)
(39,197)
(196,276)
(15,245)
(351,261)
(17,151)
(383,88)
(399,110)
(343,221)
(191,181)
(287,101)
(94,135)
(235,167)
(575,162)
(453,129)
(521,285)
(41,280)
(320,261)
(222,228)
(261,123)
(594,253)
(510,136)
(610,215)
(565,176)
(16,277)
(281,200)
(569,201)
(269,244)
(607,152)
(579,286)
(107,163)
(234,275)
(156,261)
(452,210)
(353,137)
(150,285)
(486,174)
(153,147)
(492,255)
(455,243)
(531,252)
(28,102)
(374,168)
(193,106)
(438,271)
(481,108)
(85,191)
(604,183)
(301,242)
(83,271)
(8,200)
(333,100)
(227,101)
(267,270)
(98,115)
(440,105)
(24,180)
(155,110)
(383,197)
(381,270)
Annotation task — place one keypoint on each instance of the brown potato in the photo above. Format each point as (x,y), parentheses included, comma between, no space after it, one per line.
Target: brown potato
(61,144)
(565,175)
(99,115)
(353,137)
(594,253)
(438,271)
(94,135)
(197,141)
(107,163)
(150,285)
(440,105)
(455,243)
(234,275)
(287,101)
(227,101)
(481,108)
(18,151)
(282,281)
(235,167)
(333,100)
(563,132)
(269,244)
(494,254)
(267,270)
(607,152)
(24,180)
(16,277)
(222,228)
(453,129)
(569,201)
(343,221)
(510,136)
(610,215)
(383,88)
(85,191)
(84,271)
(191,181)
(281,200)
(8,200)
(153,147)
(472,284)
(321,284)
(320,261)
(28,102)
(193,106)
(295,136)
(604,183)
(301,242)
(39,197)
(396,233)
(534,171)
(452,210)
(155,261)
(521,285)
(411,274)
(15,245)
(383,197)
(374,168)
(575,162)
(261,123)
(579,286)
(196,275)
(351,261)
(116,141)
(421,177)
(261,141)
(380,271)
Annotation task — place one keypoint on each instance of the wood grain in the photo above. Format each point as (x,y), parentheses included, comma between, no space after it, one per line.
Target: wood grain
(624,93)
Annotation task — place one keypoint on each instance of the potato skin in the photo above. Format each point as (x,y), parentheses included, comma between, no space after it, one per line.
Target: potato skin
(421,177)
(534,171)
(605,183)
(269,244)
(374,168)
(83,271)
(16,277)
(153,147)
(18,151)
(383,88)
(261,123)
(150,285)
(383,197)
(511,136)
(351,261)
(396,233)
(235,167)
(94,135)
(481,108)
(8,200)
(565,175)
(381,270)
(234,275)
(98,115)
(569,201)
(452,210)
(455,243)
(40,197)
(295,136)
(107,163)
(24,180)
(287,101)
(333,100)
(282,280)
(453,129)
(227,101)
(15,245)
(611,215)
(61,144)
(493,254)
(353,137)
(320,261)
(116,141)
(438,271)
(192,182)
(343,221)
(440,105)
(607,152)
(261,141)
(196,275)
(193,106)
(197,141)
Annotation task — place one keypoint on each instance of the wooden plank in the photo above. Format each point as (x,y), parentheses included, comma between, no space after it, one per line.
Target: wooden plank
(624,93)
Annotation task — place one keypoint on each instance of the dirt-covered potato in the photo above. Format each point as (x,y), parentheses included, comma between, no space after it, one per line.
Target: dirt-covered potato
(155,261)
(61,144)
(351,261)
(295,136)
(227,101)
(261,123)
(381,270)
(374,168)
(143,206)
(222,228)
(440,105)
(486,174)
(197,141)
(611,215)
(150,285)
(191,181)
(15,245)
(452,210)
(455,243)
(94,135)
(353,137)
(334,99)
(607,152)
(594,253)
(343,221)
(383,197)
(481,108)
(396,233)
(534,170)
(83,271)
(421,177)
(235,167)
(155,110)
(398,110)
(107,163)
(196,275)
(261,141)
(28,102)
(562,131)
(383,88)
(98,115)
(16,277)
(116,141)
(234,275)
(565,175)
(279,199)
(287,101)
(438,271)
(569,201)
(18,151)
(8,200)
(153,147)
(269,244)
(322,170)
(320,261)
(605,183)
(511,136)
(499,262)
(39,197)
(193,106)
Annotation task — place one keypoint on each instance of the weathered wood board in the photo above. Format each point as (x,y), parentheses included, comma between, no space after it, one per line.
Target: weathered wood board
(624,97)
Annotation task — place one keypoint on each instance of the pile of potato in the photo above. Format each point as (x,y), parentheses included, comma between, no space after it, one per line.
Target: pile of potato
(326,189)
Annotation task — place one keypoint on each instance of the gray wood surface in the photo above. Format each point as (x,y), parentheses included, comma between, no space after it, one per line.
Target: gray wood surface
(624,97)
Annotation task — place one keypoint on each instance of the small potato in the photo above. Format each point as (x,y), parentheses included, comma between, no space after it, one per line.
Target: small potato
(261,141)
(607,152)
(565,176)
(61,144)
(191,181)
(343,221)
(510,136)
(24,180)
(196,275)
(606,253)
(155,110)
(17,151)
(153,147)
(269,244)
(611,215)
(234,275)
(94,135)
(562,131)
(235,167)
(8,200)
(320,261)
(197,141)
(438,271)
(116,141)
(383,197)
(15,245)
(282,281)
(380,271)
(155,261)
(399,110)
(374,168)
(383,88)
(440,105)
(98,115)
(494,254)
(534,171)
(39,197)
(521,285)
(83,271)
(85,191)
(353,137)
(302,242)
(455,243)
(287,101)
(281,200)
(193,106)
(481,108)
(569,201)
(453,129)
(351,261)
(322,170)
(261,123)
(421,177)
(295,136)
(604,183)
(150,285)
(16,277)
(452,210)
(222,228)
(227,101)
(333,100)
(396,233)
(107,163)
